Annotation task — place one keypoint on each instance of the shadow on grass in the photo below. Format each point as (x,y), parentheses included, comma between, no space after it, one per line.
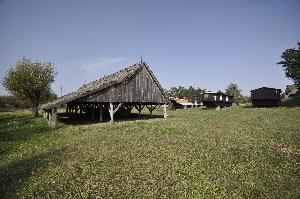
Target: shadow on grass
(16,174)
(17,128)
(84,120)
(21,127)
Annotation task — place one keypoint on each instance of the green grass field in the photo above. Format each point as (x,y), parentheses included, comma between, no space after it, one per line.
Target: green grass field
(237,152)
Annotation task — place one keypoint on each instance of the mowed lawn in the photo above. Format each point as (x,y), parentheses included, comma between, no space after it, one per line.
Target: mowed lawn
(239,152)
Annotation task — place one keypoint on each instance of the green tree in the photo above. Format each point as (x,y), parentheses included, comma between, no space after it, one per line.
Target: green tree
(30,80)
(291,64)
(189,93)
(232,89)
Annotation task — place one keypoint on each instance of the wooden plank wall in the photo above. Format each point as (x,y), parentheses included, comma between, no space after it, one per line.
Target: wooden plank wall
(265,93)
(139,89)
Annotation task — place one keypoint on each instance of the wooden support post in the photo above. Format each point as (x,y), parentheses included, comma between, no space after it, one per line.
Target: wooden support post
(151,108)
(165,111)
(54,118)
(139,108)
(44,114)
(112,111)
(50,117)
(93,114)
(101,113)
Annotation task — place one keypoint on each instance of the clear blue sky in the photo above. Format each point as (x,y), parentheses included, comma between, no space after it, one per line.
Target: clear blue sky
(207,44)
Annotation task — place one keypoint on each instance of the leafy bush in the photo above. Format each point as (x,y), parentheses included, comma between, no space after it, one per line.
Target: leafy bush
(291,102)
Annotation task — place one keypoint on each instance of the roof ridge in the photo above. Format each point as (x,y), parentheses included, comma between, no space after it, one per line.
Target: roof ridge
(96,85)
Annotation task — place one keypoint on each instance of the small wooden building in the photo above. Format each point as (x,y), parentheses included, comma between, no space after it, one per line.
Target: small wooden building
(292,90)
(216,99)
(177,103)
(265,97)
(135,86)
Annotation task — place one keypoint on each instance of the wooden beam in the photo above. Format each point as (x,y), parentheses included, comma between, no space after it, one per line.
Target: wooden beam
(119,105)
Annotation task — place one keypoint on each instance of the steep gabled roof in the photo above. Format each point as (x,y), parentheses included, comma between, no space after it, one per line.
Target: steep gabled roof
(103,83)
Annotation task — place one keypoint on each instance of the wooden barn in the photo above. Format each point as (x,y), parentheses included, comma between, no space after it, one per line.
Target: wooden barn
(265,97)
(218,99)
(135,86)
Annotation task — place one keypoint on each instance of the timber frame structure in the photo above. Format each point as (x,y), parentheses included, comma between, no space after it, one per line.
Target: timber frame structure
(217,100)
(266,97)
(135,86)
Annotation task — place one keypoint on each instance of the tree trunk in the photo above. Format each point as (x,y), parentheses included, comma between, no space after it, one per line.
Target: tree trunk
(35,106)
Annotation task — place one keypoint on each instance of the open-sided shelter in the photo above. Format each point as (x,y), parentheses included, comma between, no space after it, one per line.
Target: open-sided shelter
(135,86)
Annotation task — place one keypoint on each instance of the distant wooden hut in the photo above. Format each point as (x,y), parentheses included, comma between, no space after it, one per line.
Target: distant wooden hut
(182,103)
(292,90)
(265,97)
(216,99)
(135,86)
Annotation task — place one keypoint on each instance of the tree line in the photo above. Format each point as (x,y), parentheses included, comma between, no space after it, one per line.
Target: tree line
(194,94)
(9,102)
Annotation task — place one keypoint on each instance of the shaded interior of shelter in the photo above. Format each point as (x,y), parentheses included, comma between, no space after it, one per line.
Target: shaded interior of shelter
(72,117)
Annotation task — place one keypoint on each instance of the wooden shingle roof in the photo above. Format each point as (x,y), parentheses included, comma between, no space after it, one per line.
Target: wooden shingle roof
(103,83)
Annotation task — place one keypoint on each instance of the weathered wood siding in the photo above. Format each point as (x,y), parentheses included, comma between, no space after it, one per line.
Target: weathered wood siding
(216,99)
(141,88)
(266,93)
